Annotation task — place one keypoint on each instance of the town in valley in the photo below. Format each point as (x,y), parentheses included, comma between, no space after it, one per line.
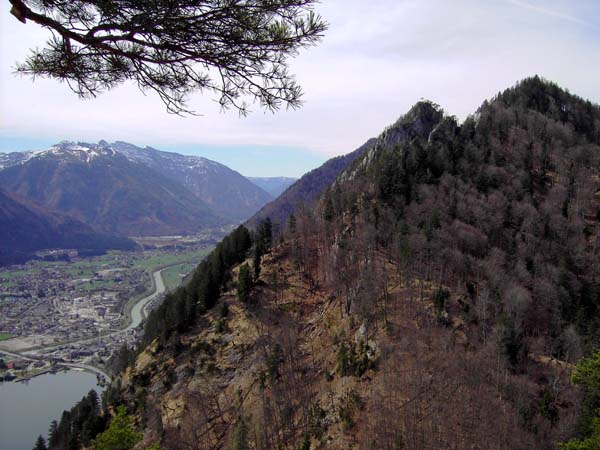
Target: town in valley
(64,308)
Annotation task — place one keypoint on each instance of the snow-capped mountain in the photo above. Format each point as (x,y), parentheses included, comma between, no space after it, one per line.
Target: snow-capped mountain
(81,151)
(78,151)
(98,185)
(226,191)
(128,190)
(11,159)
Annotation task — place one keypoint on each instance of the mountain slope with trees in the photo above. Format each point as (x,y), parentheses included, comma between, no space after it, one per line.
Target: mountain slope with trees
(307,189)
(441,293)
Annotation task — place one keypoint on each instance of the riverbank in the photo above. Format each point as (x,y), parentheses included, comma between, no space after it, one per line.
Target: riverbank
(29,375)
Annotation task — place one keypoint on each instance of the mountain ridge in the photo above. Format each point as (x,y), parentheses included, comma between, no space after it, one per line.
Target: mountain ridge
(307,189)
(440,291)
(135,191)
(96,184)
(228,192)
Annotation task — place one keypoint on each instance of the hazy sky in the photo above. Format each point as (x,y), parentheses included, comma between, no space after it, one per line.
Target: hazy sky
(377,59)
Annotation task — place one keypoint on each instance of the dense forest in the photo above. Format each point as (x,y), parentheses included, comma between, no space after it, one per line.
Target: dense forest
(499,218)
(443,292)
(77,427)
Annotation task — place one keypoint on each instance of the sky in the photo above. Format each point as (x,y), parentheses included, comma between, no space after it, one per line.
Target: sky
(375,61)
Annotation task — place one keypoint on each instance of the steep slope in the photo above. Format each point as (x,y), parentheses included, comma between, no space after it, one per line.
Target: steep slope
(25,229)
(105,189)
(273,185)
(418,122)
(308,188)
(436,296)
(226,191)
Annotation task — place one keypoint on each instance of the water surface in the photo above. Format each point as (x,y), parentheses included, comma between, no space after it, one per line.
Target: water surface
(27,408)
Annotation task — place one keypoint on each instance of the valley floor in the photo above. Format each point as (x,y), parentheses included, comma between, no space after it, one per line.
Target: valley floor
(73,311)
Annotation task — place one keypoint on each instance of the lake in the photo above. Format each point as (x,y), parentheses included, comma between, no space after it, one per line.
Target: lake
(27,408)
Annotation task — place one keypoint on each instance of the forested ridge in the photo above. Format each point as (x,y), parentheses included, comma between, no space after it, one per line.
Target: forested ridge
(442,293)
(510,198)
(304,192)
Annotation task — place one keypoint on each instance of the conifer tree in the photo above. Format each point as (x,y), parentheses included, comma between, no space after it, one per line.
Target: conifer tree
(120,435)
(292,224)
(256,262)
(53,435)
(40,444)
(244,283)
(235,49)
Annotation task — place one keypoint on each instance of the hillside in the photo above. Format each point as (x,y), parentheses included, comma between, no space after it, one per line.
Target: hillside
(307,189)
(26,228)
(228,193)
(438,294)
(97,185)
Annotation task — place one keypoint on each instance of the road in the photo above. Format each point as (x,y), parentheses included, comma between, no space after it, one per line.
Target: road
(138,311)
(138,314)
(87,367)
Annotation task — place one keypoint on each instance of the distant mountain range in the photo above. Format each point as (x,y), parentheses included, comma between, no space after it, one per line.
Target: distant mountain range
(26,228)
(107,190)
(227,193)
(273,185)
(119,189)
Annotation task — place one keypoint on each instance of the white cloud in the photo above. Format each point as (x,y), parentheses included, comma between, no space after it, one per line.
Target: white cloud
(377,59)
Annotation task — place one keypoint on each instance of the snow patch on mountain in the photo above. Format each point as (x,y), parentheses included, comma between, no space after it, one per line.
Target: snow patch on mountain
(82,151)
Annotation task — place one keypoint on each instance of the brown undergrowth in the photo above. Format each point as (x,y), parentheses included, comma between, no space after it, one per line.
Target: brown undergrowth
(290,369)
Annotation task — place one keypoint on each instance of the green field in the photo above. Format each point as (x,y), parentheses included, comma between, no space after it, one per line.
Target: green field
(172,276)
(5,336)
(96,285)
(15,274)
(148,261)
(81,269)
(168,259)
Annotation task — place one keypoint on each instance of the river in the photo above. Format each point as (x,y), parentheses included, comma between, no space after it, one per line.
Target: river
(137,312)
(27,408)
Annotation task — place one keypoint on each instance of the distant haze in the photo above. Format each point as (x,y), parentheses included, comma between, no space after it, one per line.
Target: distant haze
(274,185)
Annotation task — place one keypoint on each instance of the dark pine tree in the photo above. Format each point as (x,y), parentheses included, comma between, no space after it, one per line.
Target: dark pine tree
(244,283)
(40,444)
